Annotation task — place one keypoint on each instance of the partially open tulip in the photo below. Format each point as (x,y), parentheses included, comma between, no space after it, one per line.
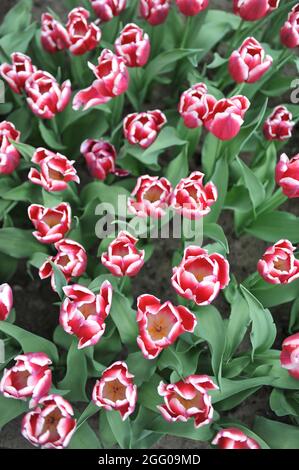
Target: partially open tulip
(30,377)
(278,264)
(233,438)
(279,125)
(160,324)
(252,10)
(188,399)
(200,276)
(51,224)
(287,175)
(6,301)
(289,33)
(71,259)
(100,157)
(50,425)
(150,197)
(16,73)
(56,171)
(195,105)
(250,62)
(154,11)
(133,45)
(84,36)
(45,96)
(9,155)
(191,7)
(106,10)
(112,80)
(227,117)
(289,357)
(54,36)
(143,128)
(123,257)
(191,198)
(115,390)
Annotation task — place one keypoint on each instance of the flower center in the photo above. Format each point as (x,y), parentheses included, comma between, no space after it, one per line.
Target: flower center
(196,402)
(87,310)
(281,264)
(51,220)
(55,175)
(114,390)
(160,325)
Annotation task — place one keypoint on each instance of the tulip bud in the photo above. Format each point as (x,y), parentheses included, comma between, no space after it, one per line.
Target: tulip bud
(100,157)
(233,438)
(106,10)
(287,175)
(279,124)
(16,73)
(143,128)
(249,63)
(289,357)
(51,224)
(6,301)
(133,45)
(154,11)
(278,264)
(195,105)
(252,10)
(289,33)
(54,36)
(83,36)
(122,257)
(9,155)
(191,7)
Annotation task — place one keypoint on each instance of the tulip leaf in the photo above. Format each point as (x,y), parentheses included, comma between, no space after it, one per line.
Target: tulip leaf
(252,183)
(26,192)
(124,318)
(51,139)
(19,243)
(121,429)
(85,438)
(25,150)
(238,322)
(178,168)
(10,409)
(274,226)
(141,368)
(76,375)
(277,435)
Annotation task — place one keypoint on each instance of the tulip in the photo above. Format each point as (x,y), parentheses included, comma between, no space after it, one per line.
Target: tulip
(287,175)
(191,7)
(100,157)
(122,257)
(112,80)
(56,171)
(191,198)
(45,96)
(133,45)
(279,125)
(30,377)
(227,117)
(278,264)
(143,128)
(9,155)
(250,62)
(83,36)
(289,33)
(233,438)
(195,105)
(51,224)
(115,390)
(16,73)
(83,313)
(6,301)
(252,10)
(200,276)
(50,425)
(161,324)
(106,10)
(154,11)
(54,36)
(150,197)
(188,399)
(289,357)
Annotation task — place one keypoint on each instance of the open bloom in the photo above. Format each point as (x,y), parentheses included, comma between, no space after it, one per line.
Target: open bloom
(250,62)
(289,357)
(200,276)
(278,264)
(123,257)
(133,45)
(45,96)
(112,79)
(279,125)
(143,128)
(71,259)
(150,196)
(106,10)
(56,171)
(50,425)
(30,377)
(160,324)
(233,438)
(115,390)
(54,36)
(9,155)
(289,33)
(6,301)
(84,36)
(252,10)
(51,224)
(191,198)
(83,313)
(191,7)
(188,399)
(227,116)
(154,11)
(100,157)
(16,73)
(287,175)
(195,105)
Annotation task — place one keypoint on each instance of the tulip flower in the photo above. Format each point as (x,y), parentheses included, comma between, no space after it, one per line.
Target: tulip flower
(16,73)
(100,157)
(122,257)
(250,62)
(133,45)
(279,125)
(54,36)
(106,10)
(233,438)
(289,357)
(287,175)
(51,224)
(84,36)
(289,33)
(9,155)
(150,197)
(154,11)
(278,264)
(252,10)
(195,105)
(143,128)
(6,301)
(192,7)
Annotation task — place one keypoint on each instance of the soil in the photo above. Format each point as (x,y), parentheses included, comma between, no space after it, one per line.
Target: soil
(36,312)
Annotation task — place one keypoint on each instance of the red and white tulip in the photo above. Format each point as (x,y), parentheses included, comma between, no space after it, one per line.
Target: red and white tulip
(289,357)
(106,10)
(16,73)
(250,62)
(143,128)
(9,155)
(133,45)
(150,197)
(6,301)
(287,175)
(234,438)
(191,7)
(154,11)
(54,36)
(253,10)
(123,257)
(278,264)
(289,33)
(84,36)
(279,125)
(195,105)
(51,225)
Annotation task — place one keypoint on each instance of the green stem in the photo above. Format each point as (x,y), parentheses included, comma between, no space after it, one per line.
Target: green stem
(187,28)
(122,284)
(237,90)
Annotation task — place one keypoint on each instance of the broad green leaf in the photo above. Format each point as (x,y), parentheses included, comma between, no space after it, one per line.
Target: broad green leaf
(252,183)
(275,226)
(216,233)
(76,375)
(277,435)
(85,438)
(237,325)
(220,179)
(141,368)
(25,150)
(124,317)
(178,168)
(10,409)
(17,42)
(26,192)
(17,18)
(51,139)
(121,429)
(19,243)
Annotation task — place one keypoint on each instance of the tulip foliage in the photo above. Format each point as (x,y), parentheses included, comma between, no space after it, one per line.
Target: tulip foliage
(132,115)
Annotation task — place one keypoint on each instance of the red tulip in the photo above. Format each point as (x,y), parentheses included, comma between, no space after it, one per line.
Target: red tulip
(154,11)
(84,36)
(9,155)
(6,301)
(249,63)
(233,438)
(122,257)
(133,45)
(195,105)
(51,224)
(287,175)
(16,73)
(54,36)
(150,197)
(252,10)
(100,157)
(106,10)
(143,128)
(289,33)
(279,125)
(278,264)
(191,7)
(289,356)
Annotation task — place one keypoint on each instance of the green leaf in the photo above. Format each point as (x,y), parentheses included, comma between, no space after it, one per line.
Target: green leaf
(185,430)
(17,42)
(19,243)
(89,411)
(230,388)
(25,150)
(120,429)
(114,195)
(26,192)
(277,435)
(141,368)
(220,179)
(8,267)
(76,376)
(252,183)
(85,438)
(271,295)
(60,280)
(10,409)
(124,318)
(17,18)
(274,226)
(216,233)
(178,168)
(53,141)
(237,325)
